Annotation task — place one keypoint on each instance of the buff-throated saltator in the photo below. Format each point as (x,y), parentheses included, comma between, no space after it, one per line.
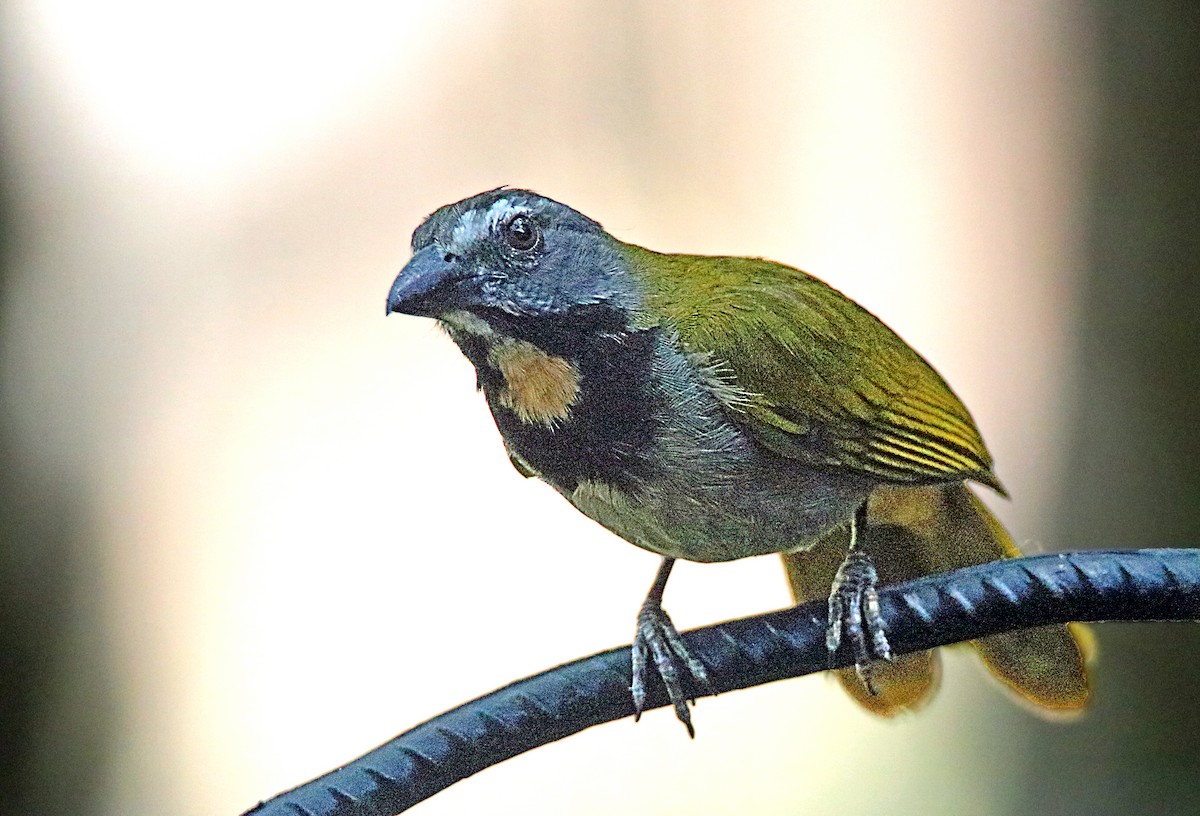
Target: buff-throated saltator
(713,408)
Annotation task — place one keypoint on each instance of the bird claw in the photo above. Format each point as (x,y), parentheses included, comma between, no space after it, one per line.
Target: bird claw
(854,613)
(658,641)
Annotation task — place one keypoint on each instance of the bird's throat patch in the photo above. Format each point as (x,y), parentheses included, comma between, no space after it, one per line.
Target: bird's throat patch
(538,387)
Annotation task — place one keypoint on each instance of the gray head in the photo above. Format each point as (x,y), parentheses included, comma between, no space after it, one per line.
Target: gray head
(508,254)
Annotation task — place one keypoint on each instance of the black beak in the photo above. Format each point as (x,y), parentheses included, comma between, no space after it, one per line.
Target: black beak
(421,287)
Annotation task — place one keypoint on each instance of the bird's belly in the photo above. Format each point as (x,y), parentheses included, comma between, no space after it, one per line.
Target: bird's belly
(723,522)
(647,448)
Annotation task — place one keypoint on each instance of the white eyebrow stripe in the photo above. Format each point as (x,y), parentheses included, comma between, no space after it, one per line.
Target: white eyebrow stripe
(465,231)
(474,225)
(499,209)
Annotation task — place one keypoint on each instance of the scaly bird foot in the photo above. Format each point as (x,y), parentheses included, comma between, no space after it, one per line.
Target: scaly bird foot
(854,613)
(658,640)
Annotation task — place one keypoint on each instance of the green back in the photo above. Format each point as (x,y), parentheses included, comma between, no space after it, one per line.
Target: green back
(826,382)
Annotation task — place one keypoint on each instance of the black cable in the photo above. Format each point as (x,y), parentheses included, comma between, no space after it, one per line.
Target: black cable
(941,609)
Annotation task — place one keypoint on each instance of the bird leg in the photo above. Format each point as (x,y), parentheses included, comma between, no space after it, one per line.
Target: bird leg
(854,605)
(658,640)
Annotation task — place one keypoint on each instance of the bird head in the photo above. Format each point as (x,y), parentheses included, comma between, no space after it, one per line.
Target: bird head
(496,260)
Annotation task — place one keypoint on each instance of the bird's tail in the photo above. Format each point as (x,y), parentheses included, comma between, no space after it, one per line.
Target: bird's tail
(915,531)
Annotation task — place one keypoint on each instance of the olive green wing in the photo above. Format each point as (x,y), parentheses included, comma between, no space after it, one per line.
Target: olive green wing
(824,381)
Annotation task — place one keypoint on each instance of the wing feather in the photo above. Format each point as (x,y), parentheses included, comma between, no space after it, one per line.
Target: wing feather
(826,381)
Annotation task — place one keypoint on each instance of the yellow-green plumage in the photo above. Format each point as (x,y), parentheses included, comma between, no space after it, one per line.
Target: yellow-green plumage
(828,383)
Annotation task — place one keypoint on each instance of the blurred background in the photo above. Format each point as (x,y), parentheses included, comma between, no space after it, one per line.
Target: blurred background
(250,529)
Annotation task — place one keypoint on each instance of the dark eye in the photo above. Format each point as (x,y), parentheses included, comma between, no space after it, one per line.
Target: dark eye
(521,233)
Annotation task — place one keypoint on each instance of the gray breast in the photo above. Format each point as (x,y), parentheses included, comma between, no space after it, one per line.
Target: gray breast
(717,495)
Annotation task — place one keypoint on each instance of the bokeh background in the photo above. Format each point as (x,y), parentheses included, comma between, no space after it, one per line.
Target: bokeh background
(250,528)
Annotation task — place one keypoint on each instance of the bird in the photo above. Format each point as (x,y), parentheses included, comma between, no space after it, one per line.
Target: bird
(712,408)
